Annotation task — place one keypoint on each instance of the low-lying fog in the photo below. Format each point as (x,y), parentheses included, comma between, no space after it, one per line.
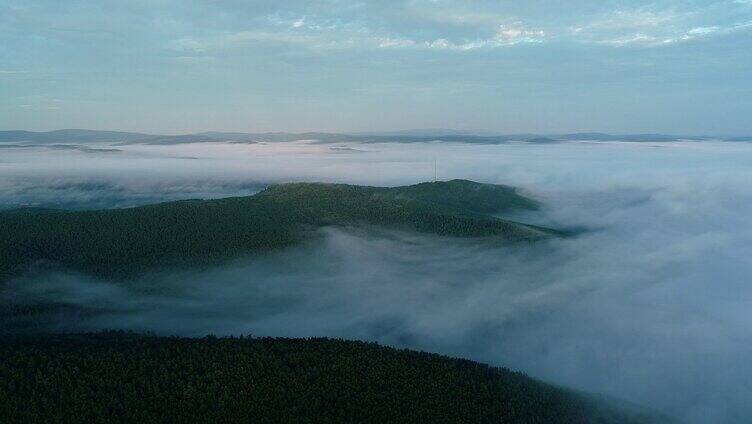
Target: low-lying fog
(652,305)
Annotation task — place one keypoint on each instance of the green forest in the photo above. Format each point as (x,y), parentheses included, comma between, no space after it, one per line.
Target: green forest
(124,377)
(123,242)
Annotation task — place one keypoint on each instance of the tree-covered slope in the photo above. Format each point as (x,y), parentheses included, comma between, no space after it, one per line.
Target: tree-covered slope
(121,242)
(116,377)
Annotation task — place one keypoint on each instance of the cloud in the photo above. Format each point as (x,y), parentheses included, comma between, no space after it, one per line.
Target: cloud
(641,39)
(695,33)
(299,33)
(635,19)
(465,30)
(630,27)
(651,305)
(510,35)
(506,35)
(295,21)
(239,39)
(395,42)
(650,28)
(640,26)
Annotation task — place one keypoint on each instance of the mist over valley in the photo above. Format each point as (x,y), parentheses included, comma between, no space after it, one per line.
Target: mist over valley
(644,300)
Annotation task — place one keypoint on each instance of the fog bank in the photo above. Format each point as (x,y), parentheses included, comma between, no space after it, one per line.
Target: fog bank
(650,305)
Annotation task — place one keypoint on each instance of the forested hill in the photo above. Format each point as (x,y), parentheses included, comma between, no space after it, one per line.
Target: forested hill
(118,377)
(122,242)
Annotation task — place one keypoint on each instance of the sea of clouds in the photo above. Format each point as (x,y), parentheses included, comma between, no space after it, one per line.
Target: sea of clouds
(651,304)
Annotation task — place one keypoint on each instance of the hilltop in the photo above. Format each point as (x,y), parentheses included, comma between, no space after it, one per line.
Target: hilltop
(80,136)
(132,378)
(124,242)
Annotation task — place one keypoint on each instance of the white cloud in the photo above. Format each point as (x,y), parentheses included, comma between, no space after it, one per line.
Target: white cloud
(504,36)
(651,28)
(636,39)
(702,31)
(695,33)
(303,22)
(441,43)
(641,18)
(395,42)
(464,30)
(509,35)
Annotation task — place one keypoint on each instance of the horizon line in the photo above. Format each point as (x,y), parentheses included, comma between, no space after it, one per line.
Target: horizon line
(403,132)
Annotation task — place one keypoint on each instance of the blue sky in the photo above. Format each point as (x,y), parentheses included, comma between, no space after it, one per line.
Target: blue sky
(510,66)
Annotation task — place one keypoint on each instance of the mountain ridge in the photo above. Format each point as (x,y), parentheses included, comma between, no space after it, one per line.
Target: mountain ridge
(125,242)
(406,136)
(116,376)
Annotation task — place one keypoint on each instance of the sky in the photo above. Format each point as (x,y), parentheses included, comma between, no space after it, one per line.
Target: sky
(168,66)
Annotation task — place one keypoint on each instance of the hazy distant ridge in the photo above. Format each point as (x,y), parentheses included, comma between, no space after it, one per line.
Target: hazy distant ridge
(408,136)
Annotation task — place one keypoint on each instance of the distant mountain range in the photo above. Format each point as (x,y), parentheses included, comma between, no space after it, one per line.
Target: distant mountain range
(79,136)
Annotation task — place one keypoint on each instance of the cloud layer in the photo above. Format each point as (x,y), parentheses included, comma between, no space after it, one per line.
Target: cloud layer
(649,306)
